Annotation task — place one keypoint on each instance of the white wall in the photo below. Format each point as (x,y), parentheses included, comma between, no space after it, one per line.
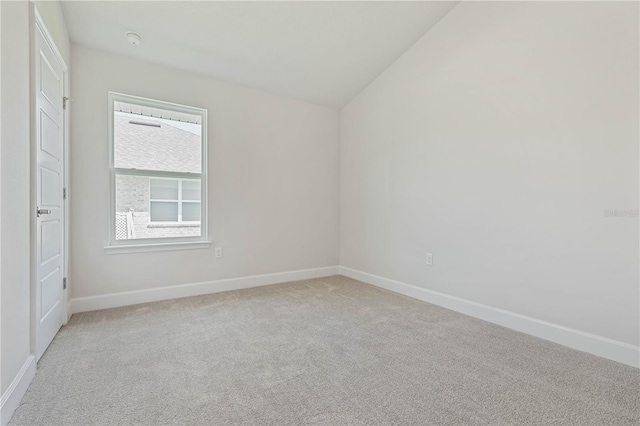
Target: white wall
(496,143)
(273,179)
(14,200)
(15,176)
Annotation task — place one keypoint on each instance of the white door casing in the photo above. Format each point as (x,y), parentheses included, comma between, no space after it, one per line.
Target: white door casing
(49,162)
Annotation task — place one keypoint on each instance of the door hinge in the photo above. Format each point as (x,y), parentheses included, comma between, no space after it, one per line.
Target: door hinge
(64,283)
(64,193)
(64,102)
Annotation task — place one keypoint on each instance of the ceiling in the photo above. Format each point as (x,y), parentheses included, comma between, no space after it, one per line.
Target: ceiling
(320,52)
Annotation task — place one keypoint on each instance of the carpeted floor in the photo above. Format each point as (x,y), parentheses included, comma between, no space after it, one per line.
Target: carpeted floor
(329,351)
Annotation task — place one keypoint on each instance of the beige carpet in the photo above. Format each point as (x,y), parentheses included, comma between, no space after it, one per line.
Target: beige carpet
(329,351)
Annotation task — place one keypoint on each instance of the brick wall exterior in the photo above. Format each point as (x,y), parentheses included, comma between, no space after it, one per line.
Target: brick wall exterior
(132,192)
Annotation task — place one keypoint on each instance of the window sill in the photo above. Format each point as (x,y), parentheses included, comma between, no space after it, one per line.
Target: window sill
(141,248)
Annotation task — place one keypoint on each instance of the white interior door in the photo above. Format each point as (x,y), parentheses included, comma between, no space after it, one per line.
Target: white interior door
(49,161)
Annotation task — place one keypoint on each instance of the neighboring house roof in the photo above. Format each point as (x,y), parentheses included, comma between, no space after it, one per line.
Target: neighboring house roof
(155,147)
(156,112)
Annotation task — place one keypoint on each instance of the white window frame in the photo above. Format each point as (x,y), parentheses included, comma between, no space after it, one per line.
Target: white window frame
(178,200)
(166,243)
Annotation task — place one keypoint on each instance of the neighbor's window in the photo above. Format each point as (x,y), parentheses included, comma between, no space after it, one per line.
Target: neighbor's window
(175,201)
(158,171)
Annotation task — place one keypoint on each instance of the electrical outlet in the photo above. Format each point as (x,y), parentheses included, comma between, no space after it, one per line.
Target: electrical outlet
(429,259)
(218,252)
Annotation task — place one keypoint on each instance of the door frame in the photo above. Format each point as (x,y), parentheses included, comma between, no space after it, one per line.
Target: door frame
(36,23)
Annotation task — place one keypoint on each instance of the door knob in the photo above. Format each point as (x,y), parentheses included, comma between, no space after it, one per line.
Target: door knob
(43,211)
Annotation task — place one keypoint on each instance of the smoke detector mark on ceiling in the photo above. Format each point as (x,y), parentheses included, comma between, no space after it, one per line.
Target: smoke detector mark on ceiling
(133,38)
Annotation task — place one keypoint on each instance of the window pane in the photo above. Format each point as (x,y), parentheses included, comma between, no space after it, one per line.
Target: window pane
(149,140)
(157,137)
(164,189)
(137,217)
(164,211)
(191,212)
(132,205)
(191,190)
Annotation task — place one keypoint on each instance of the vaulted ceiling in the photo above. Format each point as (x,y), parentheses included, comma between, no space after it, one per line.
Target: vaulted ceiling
(321,52)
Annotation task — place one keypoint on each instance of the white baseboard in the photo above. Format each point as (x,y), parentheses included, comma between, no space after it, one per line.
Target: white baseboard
(13,395)
(575,339)
(113,300)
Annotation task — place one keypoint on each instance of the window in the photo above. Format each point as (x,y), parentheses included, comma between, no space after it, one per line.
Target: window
(174,201)
(158,174)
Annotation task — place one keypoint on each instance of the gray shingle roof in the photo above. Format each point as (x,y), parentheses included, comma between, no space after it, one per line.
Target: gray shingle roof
(165,148)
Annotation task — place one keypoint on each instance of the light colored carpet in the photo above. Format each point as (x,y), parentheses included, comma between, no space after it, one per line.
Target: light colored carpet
(330,351)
